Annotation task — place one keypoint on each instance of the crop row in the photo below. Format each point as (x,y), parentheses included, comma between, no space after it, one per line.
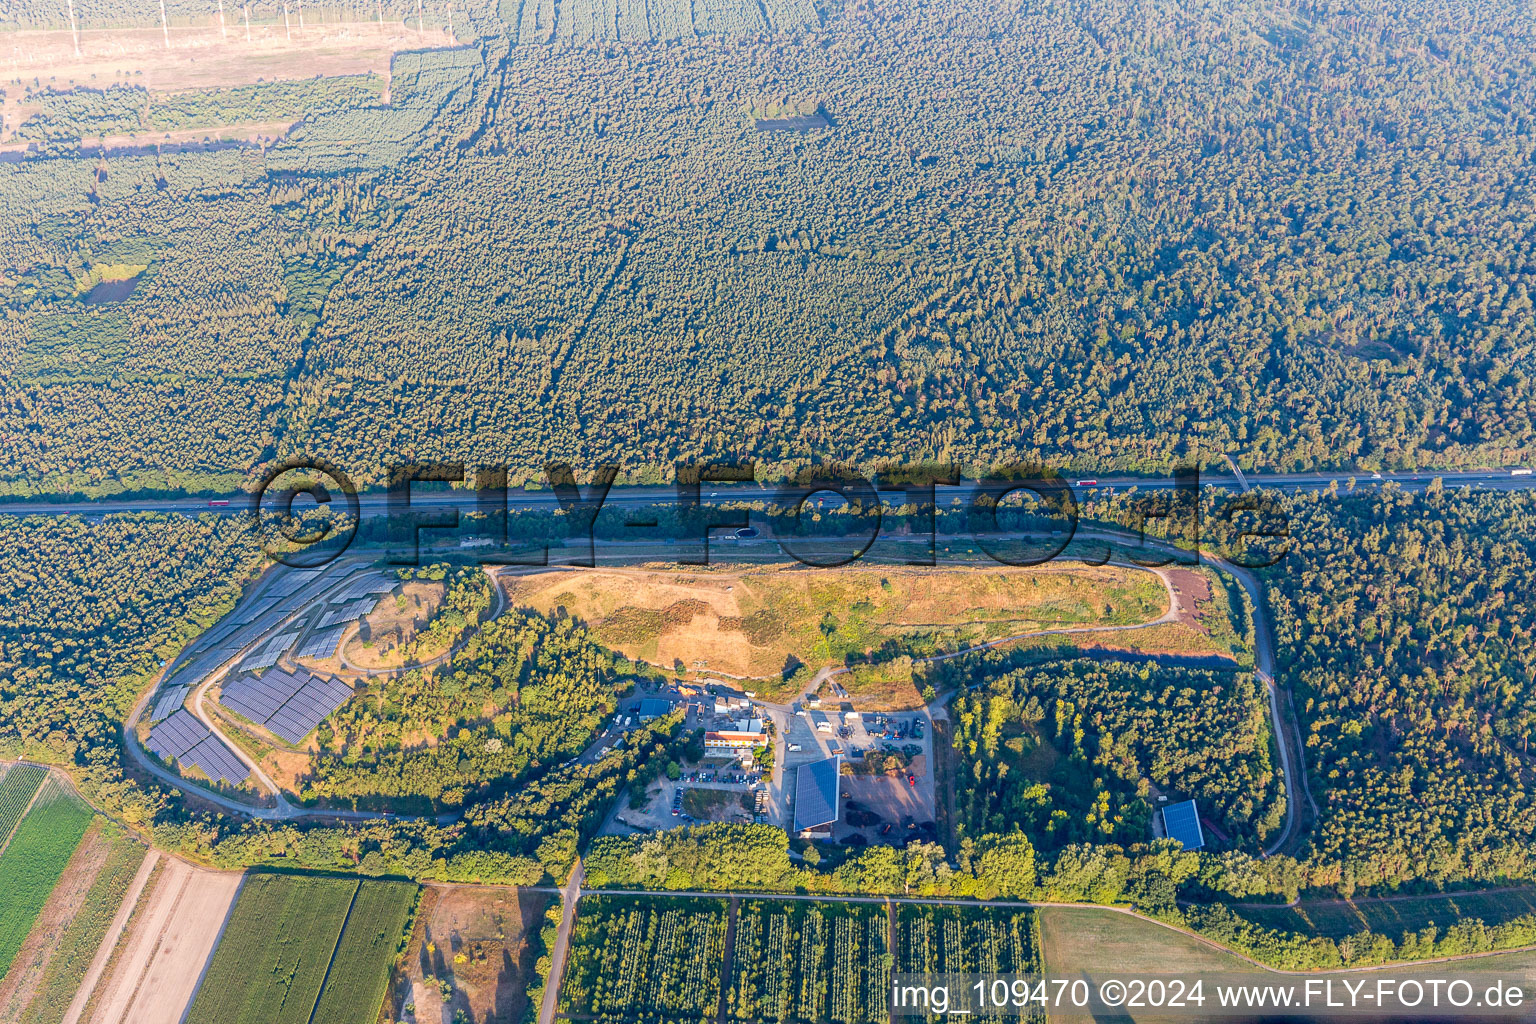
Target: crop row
(810,963)
(77,943)
(16,789)
(646,957)
(32,863)
(374,933)
(967,940)
(272,959)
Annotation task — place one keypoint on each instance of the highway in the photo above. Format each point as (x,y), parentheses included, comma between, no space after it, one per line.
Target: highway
(376,502)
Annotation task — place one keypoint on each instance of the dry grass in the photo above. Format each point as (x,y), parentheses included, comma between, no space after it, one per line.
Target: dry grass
(479,937)
(755,622)
(393,623)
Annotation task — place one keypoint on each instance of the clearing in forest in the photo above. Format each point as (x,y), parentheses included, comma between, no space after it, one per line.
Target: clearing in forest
(473,950)
(766,621)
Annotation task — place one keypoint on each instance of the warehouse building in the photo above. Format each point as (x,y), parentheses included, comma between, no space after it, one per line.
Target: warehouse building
(818,790)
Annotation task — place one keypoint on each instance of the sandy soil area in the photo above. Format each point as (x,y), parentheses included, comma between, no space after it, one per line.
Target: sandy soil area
(168,947)
(109,941)
(200,57)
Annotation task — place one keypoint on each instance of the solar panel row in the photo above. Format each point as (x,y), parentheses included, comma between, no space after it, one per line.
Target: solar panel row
(267,654)
(217,761)
(255,610)
(168,701)
(321,644)
(291,580)
(177,734)
(366,584)
(349,612)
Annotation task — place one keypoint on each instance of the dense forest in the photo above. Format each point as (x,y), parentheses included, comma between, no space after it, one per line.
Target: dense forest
(1069,752)
(521,693)
(1405,628)
(88,613)
(1096,233)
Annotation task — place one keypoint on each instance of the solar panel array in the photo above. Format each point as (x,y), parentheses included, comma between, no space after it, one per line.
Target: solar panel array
(291,580)
(366,584)
(349,612)
(321,644)
(177,735)
(168,701)
(267,654)
(290,704)
(182,738)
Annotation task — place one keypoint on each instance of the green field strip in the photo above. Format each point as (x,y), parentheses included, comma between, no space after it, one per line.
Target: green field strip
(31,865)
(270,964)
(17,788)
(358,974)
(78,944)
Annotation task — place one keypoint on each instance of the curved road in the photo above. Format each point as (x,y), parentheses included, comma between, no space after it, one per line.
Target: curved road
(284,809)
(1287,733)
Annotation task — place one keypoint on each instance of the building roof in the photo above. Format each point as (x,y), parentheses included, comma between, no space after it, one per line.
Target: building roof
(1182,822)
(817,788)
(756,739)
(655,707)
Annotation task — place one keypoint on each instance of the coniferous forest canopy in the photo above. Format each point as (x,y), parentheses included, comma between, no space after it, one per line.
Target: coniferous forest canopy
(1098,233)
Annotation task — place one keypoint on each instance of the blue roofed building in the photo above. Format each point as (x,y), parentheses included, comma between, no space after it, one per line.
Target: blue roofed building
(1182,822)
(818,787)
(654,707)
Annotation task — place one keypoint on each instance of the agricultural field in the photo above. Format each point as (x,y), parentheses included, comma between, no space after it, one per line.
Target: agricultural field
(1393,917)
(17,786)
(765,621)
(148,967)
(966,940)
(285,932)
(375,932)
(57,952)
(34,859)
(473,950)
(643,956)
(811,963)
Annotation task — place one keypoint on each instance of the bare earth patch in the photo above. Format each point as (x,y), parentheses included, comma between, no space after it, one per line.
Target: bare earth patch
(758,622)
(167,947)
(392,624)
(475,939)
